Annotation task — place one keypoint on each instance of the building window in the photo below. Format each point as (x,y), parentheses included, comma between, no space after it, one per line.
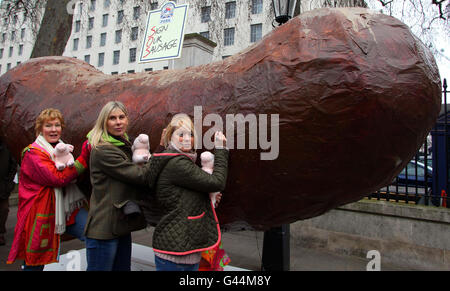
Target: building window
(120,17)
(149,69)
(230,10)
(77,25)
(88,41)
(1,53)
(87,59)
(103,39)
(114,73)
(92,7)
(154,5)
(257,6)
(255,32)
(165,67)
(3,37)
(206,14)
(132,55)
(228,36)
(8,67)
(22,34)
(105,20)
(75,44)
(205,34)
(91,23)
(106,3)
(20,49)
(11,50)
(136,12)
(101,59)
(116,57)
(118,36)
(13,35)
(130,71)
(134,33)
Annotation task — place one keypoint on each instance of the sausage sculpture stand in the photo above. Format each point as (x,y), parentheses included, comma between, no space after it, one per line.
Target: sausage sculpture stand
(355,92)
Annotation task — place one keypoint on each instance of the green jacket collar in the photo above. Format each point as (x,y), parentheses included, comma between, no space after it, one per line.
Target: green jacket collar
(108,138)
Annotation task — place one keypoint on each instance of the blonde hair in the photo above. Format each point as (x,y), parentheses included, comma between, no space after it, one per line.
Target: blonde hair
(100,131)
(179,120)
(46,115)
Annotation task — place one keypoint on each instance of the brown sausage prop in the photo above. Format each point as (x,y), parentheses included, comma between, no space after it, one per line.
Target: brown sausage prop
(354,91)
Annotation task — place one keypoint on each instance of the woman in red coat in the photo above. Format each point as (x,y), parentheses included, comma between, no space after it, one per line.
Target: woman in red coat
(47,208)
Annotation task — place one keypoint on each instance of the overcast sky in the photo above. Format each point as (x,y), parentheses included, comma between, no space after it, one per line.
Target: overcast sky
(412,18)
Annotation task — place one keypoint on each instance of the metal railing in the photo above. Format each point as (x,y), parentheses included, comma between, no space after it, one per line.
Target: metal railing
(426,178)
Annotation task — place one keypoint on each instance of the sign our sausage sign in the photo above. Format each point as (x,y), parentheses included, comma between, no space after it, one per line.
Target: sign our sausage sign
(164,33)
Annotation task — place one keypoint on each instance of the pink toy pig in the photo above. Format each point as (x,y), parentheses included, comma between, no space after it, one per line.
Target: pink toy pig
(63,156)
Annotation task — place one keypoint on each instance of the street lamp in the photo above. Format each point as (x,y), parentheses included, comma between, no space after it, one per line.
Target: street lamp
(276,249)
(284,10)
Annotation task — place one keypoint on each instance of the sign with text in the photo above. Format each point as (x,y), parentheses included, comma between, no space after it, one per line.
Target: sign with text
(164,33)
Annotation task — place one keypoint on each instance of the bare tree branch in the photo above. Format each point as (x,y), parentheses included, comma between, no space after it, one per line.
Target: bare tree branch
(385,3)
(439,4)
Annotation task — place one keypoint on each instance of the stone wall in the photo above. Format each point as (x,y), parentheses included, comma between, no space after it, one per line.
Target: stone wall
(411,235)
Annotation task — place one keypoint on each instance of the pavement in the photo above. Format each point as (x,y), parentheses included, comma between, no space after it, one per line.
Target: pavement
(243,247)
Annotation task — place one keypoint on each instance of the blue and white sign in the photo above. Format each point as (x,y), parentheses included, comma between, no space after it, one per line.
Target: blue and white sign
(164,34)
(167,13)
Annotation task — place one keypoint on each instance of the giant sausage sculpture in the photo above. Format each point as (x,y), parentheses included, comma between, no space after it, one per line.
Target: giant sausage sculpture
(342,100)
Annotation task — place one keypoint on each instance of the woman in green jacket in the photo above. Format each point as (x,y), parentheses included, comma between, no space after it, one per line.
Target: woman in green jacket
(115,180)
(189,223)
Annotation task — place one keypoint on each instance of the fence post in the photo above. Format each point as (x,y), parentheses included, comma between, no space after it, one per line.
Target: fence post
(440,152)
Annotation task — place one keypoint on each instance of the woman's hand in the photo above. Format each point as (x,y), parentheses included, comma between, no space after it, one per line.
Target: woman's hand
(218,198)
(220,141)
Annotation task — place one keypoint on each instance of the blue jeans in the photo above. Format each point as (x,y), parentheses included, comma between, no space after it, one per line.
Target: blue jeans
(76,229)
(165,265)
(109,254)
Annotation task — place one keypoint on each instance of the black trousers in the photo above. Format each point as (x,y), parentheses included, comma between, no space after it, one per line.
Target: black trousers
(4,211)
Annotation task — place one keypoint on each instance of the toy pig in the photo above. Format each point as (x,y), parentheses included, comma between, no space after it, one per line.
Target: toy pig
(207,160)
(63,156)
(141,149)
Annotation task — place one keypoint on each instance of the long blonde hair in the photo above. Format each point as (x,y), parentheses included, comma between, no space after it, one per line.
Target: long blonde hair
(99,133)
(179,120)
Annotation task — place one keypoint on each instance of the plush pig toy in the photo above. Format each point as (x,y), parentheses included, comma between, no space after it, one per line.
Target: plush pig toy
(207,160)
(141,149)
(63,156)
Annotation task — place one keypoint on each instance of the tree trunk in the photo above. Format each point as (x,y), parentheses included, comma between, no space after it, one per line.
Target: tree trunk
(55,30)
(297,8)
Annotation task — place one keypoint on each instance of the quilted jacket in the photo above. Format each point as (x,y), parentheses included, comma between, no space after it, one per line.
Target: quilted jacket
(189,223)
